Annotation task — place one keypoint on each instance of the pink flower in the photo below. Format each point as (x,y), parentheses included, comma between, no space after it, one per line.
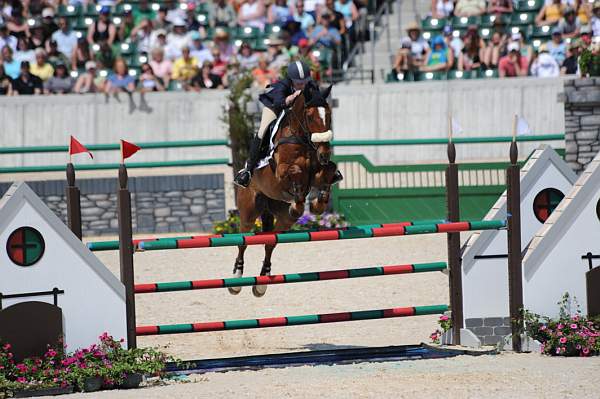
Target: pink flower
(444,318)
(22,380)
(559,333)
(573,326)
(543,328)
(563,340)
(560,326)
(586,351)
(558,351)
(6,347)
(563,349)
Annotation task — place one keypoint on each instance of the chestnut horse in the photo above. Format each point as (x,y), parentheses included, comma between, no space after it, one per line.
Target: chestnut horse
(300,164)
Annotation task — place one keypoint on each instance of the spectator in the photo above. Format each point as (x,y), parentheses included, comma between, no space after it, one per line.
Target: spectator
(350,13)
(469,8)
(198,50)
(276,58)
(324,34)
(418,46)
(492,52)
(126,27)
(263,75)
(82,54)
(6,39)
(161,21)
(142,36)
(550,13)
(288,49)
(305,19)
(221,41)
(119,80)
(471,55)
(102,30)
(88,82)
(595,20)
(105,57)
(60,83)
(337,19)
(5,83)
(570,65)
(279,12)
(65,38)
(55,57)
(247,58)
(453,42)
(36,39)
(162,68)
(583,9)
(500,7)
(174,12)
(442,8)
(26,83)
(513,64)
(252,13)
(438,58)
(178,37)
(524,49)
(143,12)
(404,62)
(294,28)
(544,66)
(557,47)
(11,65)
(569,25)
(17,24)
(184,68)
(191,21)
(48,24)
(221,14)
(149,81)
(41,68)
(585,34)
(219,64)
(205,79)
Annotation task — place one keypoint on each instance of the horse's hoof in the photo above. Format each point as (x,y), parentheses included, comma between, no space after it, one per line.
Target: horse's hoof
(259,290)
(234,290)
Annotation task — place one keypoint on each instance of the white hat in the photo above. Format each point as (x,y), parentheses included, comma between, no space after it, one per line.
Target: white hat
(179,22)
(513,46)
(90,65)
(48,12)
(516,36)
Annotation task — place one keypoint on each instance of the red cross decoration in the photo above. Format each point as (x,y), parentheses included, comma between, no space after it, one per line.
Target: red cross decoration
(545,202)
(25,246)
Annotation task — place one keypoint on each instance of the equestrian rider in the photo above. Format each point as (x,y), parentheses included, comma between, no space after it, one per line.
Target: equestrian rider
(280,96)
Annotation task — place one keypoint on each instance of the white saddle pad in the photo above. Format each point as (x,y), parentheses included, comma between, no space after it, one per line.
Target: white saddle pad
(265,161)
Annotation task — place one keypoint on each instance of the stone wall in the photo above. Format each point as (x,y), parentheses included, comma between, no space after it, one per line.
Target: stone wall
(160,204)
(582,121)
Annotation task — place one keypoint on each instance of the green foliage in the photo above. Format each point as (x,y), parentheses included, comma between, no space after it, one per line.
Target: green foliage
(589,61)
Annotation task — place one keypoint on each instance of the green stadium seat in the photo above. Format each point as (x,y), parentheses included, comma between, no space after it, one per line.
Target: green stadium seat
(430,23)
(542,32)
(522,18)
(486,33)
(488,20)
(464,22)
(489,74)
(175,85)
(202,18)
(261,43)
(92,10)
(529,5)
(456,75)
(126,49)
(202,8)
(425,76)
(272,28)
(69,10)
(428,35)
(247,32)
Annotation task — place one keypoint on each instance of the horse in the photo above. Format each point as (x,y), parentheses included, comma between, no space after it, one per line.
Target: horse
(301,163)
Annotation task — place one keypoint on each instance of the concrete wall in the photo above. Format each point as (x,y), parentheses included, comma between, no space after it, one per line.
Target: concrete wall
(411,110)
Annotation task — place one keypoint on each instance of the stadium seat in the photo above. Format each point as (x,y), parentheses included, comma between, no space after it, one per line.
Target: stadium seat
(69,10)
(247,32)
(272,28)
(202,18)
(430,23)
(529,5)
(489,74)
(486,33)
(464,22)
(455,75)
(542,32)
(488,21)
(522,18)
(424,76)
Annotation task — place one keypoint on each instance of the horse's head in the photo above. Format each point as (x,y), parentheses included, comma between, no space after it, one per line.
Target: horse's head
(317,117)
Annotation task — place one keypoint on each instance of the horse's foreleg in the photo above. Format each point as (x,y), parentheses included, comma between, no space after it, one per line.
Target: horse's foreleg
(248,215)
(298,191)
(319,204)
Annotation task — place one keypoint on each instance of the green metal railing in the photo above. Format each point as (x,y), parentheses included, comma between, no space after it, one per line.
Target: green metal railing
(440,140)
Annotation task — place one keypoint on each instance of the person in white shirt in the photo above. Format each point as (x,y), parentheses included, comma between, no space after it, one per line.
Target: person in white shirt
(65,38)
(6,39)
(198,50)
(545,66)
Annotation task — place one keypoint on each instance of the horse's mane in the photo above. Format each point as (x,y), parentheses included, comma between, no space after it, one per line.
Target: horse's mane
(313,96)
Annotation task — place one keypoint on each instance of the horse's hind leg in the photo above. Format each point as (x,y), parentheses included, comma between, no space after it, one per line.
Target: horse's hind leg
(248,215)
(267,223)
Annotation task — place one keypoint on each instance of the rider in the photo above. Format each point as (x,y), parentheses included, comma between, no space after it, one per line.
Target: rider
(280,96)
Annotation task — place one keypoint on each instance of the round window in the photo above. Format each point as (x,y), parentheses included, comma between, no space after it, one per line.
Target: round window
(25,246)
(545,202)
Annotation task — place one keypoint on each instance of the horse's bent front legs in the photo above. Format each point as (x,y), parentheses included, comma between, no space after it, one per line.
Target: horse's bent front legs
(260,290)
(238,268)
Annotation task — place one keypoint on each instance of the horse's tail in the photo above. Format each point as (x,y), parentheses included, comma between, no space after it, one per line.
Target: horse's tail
(268,221)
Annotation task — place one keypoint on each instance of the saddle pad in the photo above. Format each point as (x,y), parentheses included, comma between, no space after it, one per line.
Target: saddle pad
(265,161)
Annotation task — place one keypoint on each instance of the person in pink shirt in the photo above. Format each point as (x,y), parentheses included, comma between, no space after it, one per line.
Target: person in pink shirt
(513,64)
(161,66)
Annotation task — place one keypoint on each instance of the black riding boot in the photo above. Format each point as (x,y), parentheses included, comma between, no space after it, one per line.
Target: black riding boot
(243,176)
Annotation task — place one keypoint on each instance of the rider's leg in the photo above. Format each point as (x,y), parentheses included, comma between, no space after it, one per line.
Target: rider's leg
(243,177)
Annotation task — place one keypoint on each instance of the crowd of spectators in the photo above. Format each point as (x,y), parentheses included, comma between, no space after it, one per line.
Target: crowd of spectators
(503,38)
(84,46)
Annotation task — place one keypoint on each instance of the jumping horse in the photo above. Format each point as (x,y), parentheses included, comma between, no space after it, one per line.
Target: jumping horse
(300,165)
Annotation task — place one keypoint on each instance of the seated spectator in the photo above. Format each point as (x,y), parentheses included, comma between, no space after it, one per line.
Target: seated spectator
(419,47)
(105,57)
(191,20)
(219,65)
(5,83)
(36,38)
(198,50)
(500,7)
(148,80)
(324,34)
(279,12)
(471,55)
(544,66)
(585,35)
(60,83)
(6,39)
(439,58)
(263,75)
(492,52)
(142,36)
(26,83)
(526,50)
(178,37)
(102,29)
(161,22)
(55,57)
(557,47)
(404,62)
(41,67)
(305,19)
(583,8)
(65,38)
(453,42)
(126,27)
(162,67)
(476,46)
(247,58)
(469,8)
(160,40)
(17,24)
(184,68)
(350,13)
(288,49)
(570,65)
(293,27)
(252,13)
(12,67)
(442,8)
(24,51)
(221,14)
(513,64)
(550,13)
(82,54)
(595,20)
(569,25)
(174,11)
(337,18)
(276,58)
(89,82)
(223,43)
(205,79)
(119,80)
(143,11)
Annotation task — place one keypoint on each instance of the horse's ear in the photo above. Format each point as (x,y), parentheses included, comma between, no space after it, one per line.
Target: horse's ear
(325,93)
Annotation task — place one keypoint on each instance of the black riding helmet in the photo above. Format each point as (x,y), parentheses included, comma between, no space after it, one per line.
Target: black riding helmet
(299,72)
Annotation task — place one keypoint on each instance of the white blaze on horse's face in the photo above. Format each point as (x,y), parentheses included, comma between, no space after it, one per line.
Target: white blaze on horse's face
(323,136)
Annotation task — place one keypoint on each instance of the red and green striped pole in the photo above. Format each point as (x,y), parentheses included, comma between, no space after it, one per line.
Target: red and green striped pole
(290,278)
(291,320)
(366,231)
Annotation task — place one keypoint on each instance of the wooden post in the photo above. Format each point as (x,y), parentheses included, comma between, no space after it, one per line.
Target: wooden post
(453,239)
(73,202)
(515,270)
(126,253)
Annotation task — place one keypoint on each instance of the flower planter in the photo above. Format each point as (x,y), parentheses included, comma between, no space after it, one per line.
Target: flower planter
(92,384)
(30,393)
(131,381)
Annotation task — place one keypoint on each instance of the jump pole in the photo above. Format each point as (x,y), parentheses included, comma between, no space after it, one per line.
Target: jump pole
(73,198)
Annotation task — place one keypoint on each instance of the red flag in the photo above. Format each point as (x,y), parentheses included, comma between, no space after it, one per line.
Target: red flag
(128,149)
(75,147)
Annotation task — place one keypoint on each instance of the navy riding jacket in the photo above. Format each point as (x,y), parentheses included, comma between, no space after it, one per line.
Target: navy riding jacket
(274,97)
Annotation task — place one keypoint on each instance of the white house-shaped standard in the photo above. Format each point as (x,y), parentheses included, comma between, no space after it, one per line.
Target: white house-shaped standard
(39,253)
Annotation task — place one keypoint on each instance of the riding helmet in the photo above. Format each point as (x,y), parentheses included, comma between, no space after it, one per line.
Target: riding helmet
(299,72)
